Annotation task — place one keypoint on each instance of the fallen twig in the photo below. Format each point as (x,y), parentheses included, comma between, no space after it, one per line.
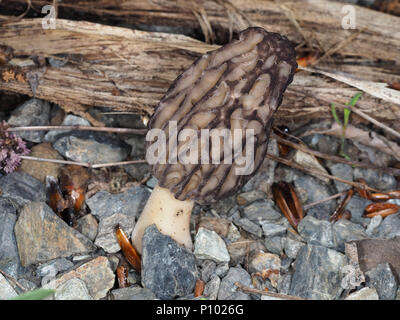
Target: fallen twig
(270,294)
(318,173)
(14,281)
(79,128)
(392,171)
(84,164)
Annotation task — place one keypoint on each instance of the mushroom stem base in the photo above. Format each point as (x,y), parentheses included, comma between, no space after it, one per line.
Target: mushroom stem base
(171,216)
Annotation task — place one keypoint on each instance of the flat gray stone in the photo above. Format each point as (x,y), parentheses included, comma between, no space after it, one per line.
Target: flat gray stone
(42,236)
(9,259)
(69,120)
(228,289)
(53,267)
(272,229)
(88,226)
(343,171)
(106,238)
(318,273)
(292,247)
(316,232)
(310,190)
(91,147)
(209,245)
(6,290)
(383,279)
(261,210)
(130,202)
(73,289)
(275,244)
(133,293)
(96,273)
(212,287)
(389,228)
(168,269)
(21,188)
(34,112)
(346,231)
(249,226)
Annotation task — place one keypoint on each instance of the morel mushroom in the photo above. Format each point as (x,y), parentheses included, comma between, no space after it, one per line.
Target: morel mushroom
(233,92)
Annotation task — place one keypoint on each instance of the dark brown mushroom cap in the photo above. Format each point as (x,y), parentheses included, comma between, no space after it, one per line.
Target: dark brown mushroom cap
(238,86)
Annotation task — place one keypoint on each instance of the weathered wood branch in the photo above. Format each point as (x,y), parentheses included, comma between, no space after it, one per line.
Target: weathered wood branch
(319,19)
(130,70)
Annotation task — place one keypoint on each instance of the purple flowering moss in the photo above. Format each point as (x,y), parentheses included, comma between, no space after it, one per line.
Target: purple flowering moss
(11,149)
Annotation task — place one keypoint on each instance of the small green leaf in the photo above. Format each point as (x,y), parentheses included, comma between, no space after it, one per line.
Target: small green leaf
(354,100)
(37,294)
(335,116)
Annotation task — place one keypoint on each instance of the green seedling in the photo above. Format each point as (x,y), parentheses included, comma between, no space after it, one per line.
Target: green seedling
(346,117)
(37,294)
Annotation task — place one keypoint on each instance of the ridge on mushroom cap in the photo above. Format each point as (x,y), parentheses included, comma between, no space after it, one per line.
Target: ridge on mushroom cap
(235,88)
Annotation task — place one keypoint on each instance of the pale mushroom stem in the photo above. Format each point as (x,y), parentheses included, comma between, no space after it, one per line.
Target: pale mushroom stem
(171,216)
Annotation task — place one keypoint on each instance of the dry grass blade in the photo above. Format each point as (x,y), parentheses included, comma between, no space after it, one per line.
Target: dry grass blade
(270,294)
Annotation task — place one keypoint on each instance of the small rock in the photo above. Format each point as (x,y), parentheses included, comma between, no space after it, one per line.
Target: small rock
(73,289)
(343,171)
(346,231)
(233,234)
(383,280)
(6,290)
(168,269)
(39,169)
(249,226)
(207,269)
(152,182)
(316,232)
(88,226)
(133,293)
(364,294)
(96,274)
(53,267)
(292,247)
(284,283)
(208,245)
(275,244)
(356,206)
(266,262)
(246,198)
(212,287)
(131,202)
(309,161)
(389,228)
(310,190)
(239,251)
(21,188)
(261,210)
(106,238)
(92,148)
(379,180)
(317,273)
(228,289)
(33,112)
(222,269)
(272,229)
(41,236)
(373,225)
(69,120)
(9,259)
(286,262)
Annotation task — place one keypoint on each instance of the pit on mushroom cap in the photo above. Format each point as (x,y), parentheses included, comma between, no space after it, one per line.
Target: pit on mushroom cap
(238,86)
